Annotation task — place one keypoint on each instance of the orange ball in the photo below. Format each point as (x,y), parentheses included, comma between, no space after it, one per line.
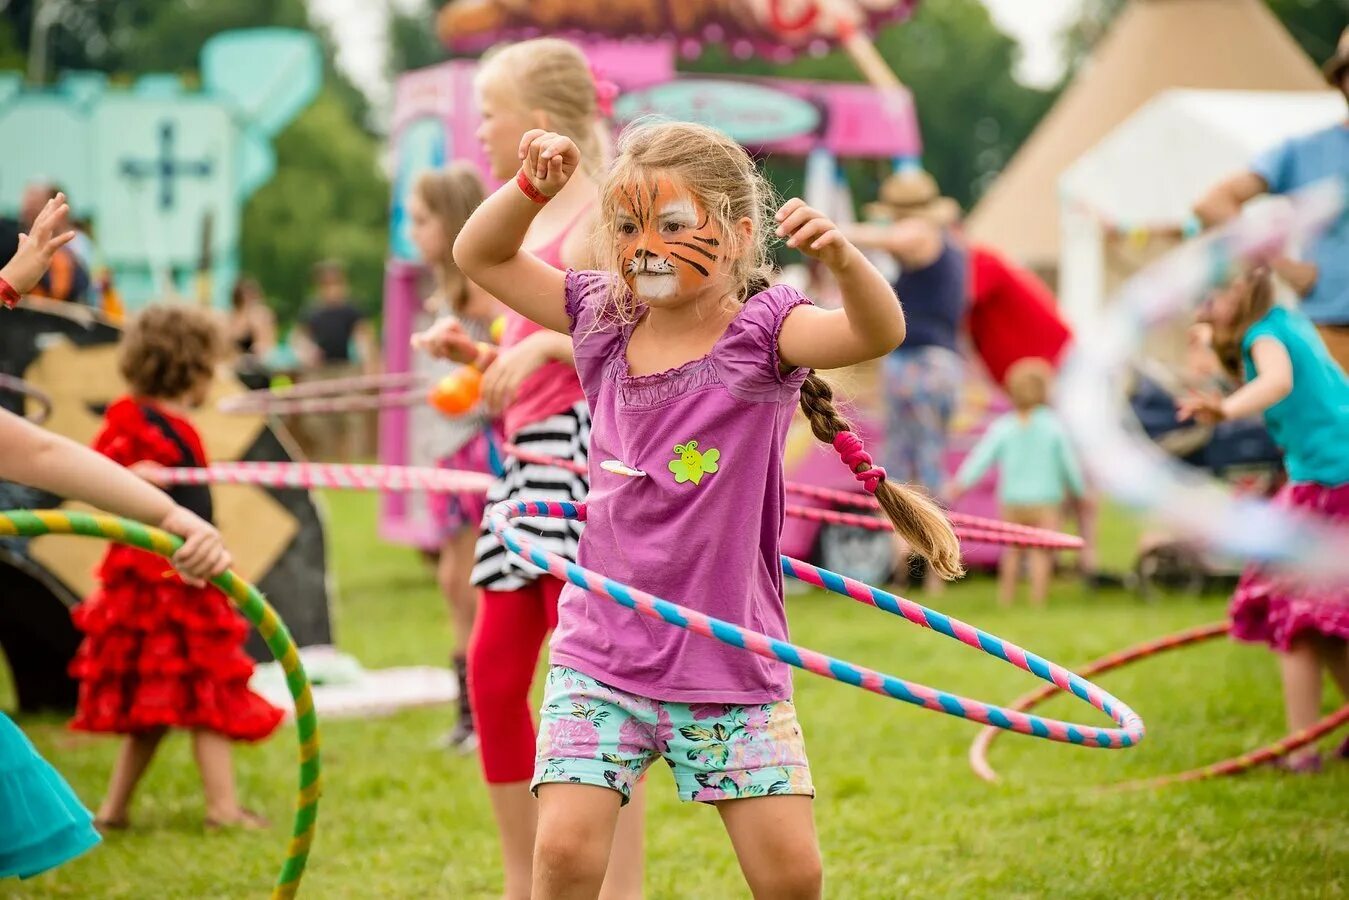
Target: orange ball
(457,392)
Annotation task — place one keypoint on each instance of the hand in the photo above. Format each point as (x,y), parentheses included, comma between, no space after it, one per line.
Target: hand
(150,471)
(37,248)
(503,378)
(808,230)
(446,339)
(549,160)
(1205,408)
(203,554)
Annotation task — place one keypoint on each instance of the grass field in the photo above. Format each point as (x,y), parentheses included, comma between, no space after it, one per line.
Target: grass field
(899,813)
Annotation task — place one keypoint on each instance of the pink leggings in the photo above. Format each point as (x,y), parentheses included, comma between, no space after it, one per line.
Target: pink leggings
(503,655)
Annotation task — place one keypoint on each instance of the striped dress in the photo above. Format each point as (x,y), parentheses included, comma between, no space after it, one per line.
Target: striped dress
(566,436)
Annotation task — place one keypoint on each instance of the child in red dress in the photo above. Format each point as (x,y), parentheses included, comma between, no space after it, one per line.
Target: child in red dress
(159,653)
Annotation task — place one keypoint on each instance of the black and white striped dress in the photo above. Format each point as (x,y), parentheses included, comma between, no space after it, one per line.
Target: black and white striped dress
(566,436)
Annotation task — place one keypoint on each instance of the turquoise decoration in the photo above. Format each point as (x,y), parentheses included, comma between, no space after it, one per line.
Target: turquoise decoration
(751,114)
(422,146)
(161,171)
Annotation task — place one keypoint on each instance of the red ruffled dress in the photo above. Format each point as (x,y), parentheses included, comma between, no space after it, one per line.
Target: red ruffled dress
(156,651)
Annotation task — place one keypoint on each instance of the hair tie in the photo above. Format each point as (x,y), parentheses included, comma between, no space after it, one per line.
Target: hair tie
(605,92)
(849,446)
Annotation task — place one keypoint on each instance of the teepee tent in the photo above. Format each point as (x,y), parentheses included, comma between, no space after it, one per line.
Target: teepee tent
(1154,45)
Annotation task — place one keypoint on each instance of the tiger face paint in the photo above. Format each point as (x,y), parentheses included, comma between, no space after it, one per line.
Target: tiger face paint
(668,246)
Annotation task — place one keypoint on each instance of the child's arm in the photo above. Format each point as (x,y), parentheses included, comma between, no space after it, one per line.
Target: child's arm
(1272,383)
(979,460)
(56,464)
(36,249)
(488,249)
(871,322)
(502,380)
(1066,455)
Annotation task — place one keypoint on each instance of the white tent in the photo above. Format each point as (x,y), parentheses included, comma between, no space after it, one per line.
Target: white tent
(1146,174)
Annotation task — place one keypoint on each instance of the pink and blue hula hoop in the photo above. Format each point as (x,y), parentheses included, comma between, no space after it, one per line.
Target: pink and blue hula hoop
(1128,734)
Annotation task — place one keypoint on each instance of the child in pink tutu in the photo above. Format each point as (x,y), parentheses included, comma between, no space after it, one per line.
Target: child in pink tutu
(1291,378)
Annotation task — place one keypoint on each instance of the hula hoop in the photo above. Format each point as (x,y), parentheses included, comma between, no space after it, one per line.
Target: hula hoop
(321,475)
(332,395)
(979,748)
(1129,733)
(1138,472)
(785,27)
(32,523)
(972,529)
(24,389)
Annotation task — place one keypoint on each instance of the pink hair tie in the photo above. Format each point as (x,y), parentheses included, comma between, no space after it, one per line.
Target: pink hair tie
(605,92)
(849,446)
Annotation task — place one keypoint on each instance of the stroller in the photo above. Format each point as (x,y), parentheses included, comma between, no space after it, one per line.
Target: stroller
(1240,453)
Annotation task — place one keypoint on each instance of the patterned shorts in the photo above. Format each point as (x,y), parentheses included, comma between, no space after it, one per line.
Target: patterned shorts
(595,734)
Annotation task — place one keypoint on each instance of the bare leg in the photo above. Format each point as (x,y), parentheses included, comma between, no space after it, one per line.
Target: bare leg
(215,762)
(576,834)
(137,751)
(1009,571)
(516,812)
(1334,654)
(774,840)
(453,572)
(1301,671)
(623,879)
(1041,564)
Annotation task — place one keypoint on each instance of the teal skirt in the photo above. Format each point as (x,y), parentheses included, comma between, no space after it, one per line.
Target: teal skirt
(42,822)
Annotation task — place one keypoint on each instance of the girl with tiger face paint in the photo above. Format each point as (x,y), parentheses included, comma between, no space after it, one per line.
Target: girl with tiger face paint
(692,365)
(669,249)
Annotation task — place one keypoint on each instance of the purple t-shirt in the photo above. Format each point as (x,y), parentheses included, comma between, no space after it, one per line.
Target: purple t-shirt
(702,527)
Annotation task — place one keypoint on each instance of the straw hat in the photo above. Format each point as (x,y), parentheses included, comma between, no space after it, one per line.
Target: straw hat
(913,194)
(1339,61)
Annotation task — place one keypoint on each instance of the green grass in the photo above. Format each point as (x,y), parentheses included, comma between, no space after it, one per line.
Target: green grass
(899,813)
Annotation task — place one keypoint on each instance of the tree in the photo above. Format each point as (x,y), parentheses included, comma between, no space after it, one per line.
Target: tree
(412,39)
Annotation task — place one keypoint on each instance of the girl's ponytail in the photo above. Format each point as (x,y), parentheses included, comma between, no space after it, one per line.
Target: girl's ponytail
(917,519)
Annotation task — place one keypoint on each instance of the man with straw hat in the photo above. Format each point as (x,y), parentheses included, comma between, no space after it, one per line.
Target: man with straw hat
(1321,278)
(911,221)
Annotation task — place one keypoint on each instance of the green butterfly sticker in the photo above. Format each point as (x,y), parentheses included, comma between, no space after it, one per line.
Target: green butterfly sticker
(693,464)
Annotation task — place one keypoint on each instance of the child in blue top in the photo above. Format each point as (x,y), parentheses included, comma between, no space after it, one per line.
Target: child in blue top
(1291,378)
(1037,471)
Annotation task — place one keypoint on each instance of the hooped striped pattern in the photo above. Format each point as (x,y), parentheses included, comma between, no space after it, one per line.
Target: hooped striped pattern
(327,475)
(978,755)
(390,389)
(1129,732)
(31,523)
(975,529)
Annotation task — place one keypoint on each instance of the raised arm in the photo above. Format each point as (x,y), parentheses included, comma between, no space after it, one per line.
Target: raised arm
(1273,382)
(489,248)
(871,322)
(1224,200)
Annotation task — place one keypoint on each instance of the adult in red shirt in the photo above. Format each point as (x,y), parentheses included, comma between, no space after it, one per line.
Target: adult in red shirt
(1012,314)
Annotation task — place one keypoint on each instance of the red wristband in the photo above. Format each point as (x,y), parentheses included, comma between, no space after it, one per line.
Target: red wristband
(8,294)
(527,187)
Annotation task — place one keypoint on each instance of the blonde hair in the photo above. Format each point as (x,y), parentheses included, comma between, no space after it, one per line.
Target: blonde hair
(1256,299)
(720,175)
(1028,381)
(450,195)
(552,76)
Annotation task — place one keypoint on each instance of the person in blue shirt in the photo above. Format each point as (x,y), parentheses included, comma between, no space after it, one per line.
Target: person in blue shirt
(1037,472)
(1321,278)
(1304,397)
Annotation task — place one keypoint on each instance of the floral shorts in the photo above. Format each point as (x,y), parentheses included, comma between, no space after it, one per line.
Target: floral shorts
(595,734)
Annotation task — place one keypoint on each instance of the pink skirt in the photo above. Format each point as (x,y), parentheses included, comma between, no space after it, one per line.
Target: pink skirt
(452,513)
(1268,609)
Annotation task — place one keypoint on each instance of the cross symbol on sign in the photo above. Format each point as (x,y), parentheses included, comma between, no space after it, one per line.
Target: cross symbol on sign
(165,167)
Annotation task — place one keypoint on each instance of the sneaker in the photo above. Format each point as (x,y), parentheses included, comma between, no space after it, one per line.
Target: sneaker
(461,737)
